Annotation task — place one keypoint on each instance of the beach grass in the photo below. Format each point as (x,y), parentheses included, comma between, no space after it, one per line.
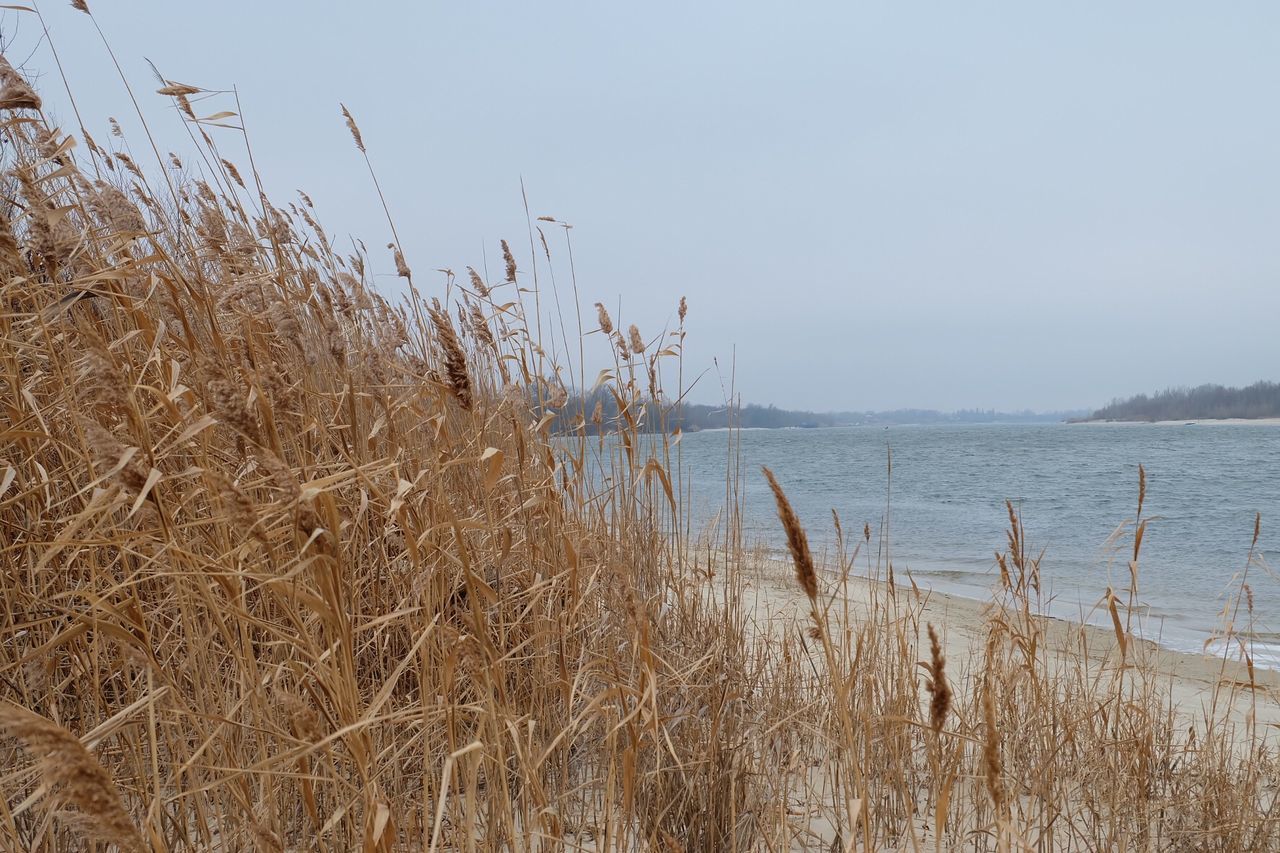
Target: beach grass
(289,564)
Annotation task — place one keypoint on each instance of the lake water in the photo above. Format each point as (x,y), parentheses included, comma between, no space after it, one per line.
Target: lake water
(1073,484)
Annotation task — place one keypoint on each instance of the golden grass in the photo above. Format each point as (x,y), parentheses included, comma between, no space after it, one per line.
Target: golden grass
(287,566)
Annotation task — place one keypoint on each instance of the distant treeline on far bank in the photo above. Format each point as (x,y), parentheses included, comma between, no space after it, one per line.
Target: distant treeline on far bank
(601,408)
(1207,402)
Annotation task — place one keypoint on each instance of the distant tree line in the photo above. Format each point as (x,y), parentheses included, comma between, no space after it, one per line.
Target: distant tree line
(599,409)
(1259,400)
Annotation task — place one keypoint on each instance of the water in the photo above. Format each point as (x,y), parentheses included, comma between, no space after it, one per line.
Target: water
(1074,486)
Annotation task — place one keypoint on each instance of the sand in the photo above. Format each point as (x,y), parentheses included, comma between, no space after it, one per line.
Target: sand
(778,604)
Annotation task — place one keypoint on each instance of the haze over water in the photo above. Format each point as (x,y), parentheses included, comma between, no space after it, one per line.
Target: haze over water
(1074,485)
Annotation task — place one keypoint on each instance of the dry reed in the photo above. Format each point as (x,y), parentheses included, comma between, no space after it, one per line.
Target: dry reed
(797,541)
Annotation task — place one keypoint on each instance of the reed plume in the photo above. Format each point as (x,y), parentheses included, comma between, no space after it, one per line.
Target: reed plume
(455,359)
(477,283)
(797,541)
(510,261)
(939,689)
(480,326)
(74,777)
(602,315)
(15,92)
(402,268)
(351,126)
(991,748)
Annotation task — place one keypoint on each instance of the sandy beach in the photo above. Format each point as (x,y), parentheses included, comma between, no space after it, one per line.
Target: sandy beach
(1193,681)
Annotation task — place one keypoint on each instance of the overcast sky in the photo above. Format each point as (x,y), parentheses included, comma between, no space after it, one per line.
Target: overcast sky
(876,205)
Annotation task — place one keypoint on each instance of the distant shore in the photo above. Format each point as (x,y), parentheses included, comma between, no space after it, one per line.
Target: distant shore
(1188,421)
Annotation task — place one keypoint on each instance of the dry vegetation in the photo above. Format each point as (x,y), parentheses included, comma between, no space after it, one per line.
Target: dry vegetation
(288,567)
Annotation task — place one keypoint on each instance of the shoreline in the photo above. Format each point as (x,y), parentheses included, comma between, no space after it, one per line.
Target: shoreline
(1187,422)
(774,601)
(1094,423)
(1180,633)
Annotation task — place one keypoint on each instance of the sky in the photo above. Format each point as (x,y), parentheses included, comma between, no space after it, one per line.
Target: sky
(868,205)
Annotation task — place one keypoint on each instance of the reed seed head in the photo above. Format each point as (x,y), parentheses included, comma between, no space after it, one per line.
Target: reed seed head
(455,359)
(991,748)
(1142,488)
(175,90)
(15,92)
(480,326)
(602,314)
(114,209)
(510,261)
(402,269)
(797,541)
(939,689)
(233,172)
(351,125)
(74,777)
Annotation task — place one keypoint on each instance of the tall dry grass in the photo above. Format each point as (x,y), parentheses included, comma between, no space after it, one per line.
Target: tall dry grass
(289,566)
